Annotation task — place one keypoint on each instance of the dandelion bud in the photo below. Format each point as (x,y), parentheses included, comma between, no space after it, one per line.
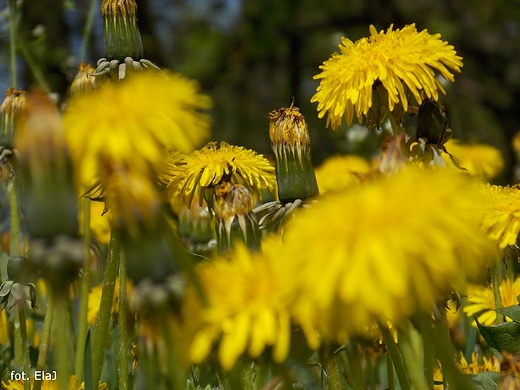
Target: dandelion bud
(84,80)
(122,38)
(195,225)
(433,122)
(48,199)
(16,268)
(12,107)
(154,254)
(291,145)
(235,220)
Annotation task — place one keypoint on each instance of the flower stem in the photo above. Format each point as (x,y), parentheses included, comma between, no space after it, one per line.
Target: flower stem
(35,69)
(397,359)
(24,344)
(105,308)
(45,340)
(495,280)
(84,291)
(14,246)
(390,372)
(174,367)
(411,358)
(13,28)
(428,348)
(122,332)
(87,31)
(60,328)
(332,374)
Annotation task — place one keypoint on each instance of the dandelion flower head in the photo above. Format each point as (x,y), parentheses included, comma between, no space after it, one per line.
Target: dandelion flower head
(341,173)
(378,253)
(480,160)
(244,311)
(206,167)
(131,123)
(481,300)
(501,214)
(403,61)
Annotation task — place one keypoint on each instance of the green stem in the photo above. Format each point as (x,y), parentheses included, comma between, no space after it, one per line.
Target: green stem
(60,330)
(105,308)
(174,367)
(390,372)
(13,27)
(88,29)
(15,246)
(397,359)
(122,332)
(446,355)
(411,358)
(332,374)
(354,362)
(15,250)
(45,340)
(24,344)
(370,371)
(35,69)
(84,292)
(495,280)
(428,348)
(396,129)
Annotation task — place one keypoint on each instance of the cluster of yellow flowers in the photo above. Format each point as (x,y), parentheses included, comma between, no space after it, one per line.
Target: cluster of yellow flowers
(373,249)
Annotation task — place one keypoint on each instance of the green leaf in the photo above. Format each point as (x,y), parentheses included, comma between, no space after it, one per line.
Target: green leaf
(512,312)
(485,380)
(502,337)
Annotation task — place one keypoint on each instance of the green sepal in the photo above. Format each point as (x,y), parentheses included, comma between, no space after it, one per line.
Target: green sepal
(294,174)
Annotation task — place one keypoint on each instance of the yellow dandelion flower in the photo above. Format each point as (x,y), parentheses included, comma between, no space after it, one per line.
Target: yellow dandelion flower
(206,167)
(380,252)
(4,335)
(481,300)
(477,364)
(501,214)
(402,61)
(245,311)
(480,160)
(131,123)
(341,173)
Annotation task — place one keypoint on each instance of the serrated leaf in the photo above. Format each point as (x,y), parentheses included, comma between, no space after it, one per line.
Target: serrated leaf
(512,312)
(485,380)
(502,337)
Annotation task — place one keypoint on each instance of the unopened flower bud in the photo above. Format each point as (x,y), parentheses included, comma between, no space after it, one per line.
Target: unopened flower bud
(235,220)
(291,145)
(48,199)
(84,79)
(10,110)
(122,38)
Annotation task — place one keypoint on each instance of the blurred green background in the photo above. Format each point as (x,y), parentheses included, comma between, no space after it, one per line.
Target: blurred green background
(254,56)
